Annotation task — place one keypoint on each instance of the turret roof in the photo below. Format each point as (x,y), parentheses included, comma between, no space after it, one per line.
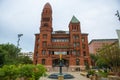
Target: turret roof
(47,5)
(74,20)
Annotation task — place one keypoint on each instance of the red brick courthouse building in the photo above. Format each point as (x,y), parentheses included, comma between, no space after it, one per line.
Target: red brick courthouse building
(72,44)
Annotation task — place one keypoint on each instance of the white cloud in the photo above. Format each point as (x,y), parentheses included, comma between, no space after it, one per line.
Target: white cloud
(23,16)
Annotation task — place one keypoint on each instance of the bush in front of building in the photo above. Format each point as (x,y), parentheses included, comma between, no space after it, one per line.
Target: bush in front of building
(103,73)
(24,72)
(39,71)
(8,72)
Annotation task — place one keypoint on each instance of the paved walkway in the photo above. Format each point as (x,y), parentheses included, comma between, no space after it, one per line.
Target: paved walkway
(75,74)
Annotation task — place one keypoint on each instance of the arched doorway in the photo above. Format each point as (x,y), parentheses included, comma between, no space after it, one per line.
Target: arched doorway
(56,62)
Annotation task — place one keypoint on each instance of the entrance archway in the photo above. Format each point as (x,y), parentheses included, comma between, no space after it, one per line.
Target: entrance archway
(56,62)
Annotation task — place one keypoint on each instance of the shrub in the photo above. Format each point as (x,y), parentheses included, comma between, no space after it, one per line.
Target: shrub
(27,72)
(38,71)
(2,74)
(91,72)
(8,72)
(102,73)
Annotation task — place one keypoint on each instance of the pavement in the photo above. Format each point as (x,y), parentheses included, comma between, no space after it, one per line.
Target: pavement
(77,76)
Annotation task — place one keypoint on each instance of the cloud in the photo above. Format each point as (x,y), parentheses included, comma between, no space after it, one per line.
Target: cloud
(23,16)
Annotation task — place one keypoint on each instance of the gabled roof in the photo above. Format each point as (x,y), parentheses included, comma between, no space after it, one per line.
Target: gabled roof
(74,20)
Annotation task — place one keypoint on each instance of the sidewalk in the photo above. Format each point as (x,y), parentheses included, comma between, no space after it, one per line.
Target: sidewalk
(75,74)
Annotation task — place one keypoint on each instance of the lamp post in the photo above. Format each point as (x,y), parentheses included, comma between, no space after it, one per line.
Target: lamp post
(118,15)
(60,64)
(60,76)
(19,35)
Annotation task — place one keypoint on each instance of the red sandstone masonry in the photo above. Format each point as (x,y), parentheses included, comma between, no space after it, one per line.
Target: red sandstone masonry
(65,42)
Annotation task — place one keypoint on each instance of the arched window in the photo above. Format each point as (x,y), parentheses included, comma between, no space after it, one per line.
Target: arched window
(43,61)
(44,44)
(43,52)
(45,24)
(44,36)
(36,62)
(78,53)
(37,55)
(46,19)
(77,61)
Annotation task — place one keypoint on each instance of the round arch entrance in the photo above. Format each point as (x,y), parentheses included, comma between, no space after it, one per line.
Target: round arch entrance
(56,62)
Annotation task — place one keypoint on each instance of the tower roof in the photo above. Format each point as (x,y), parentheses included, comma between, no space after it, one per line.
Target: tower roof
(74,20)
(47,5)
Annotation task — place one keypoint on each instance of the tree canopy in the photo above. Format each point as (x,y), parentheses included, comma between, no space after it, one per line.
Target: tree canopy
(110,54)
(9,55)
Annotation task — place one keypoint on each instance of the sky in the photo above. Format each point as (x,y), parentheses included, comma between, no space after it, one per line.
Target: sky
(97,18)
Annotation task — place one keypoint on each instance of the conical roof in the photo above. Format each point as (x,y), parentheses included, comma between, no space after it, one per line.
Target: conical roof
(47,5)
(74,20)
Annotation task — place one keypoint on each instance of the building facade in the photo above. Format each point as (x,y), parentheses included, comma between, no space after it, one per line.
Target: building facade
(72,44)
(97,44)
(29,54)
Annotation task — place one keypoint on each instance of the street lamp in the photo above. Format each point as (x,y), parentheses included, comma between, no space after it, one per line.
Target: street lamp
(60,65)
(118,15)
(19,35)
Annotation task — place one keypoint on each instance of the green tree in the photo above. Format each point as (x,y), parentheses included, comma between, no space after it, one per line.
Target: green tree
(93,59)
(9,53)
(1,59)
(101,63)
(1,56)
(24,60)
(111,55)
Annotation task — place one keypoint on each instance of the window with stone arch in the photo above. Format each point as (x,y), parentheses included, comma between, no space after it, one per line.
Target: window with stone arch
(43,61)
(44,44)
(45,24)
(44,36)
(43,52)
(76,36)
(77,61)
